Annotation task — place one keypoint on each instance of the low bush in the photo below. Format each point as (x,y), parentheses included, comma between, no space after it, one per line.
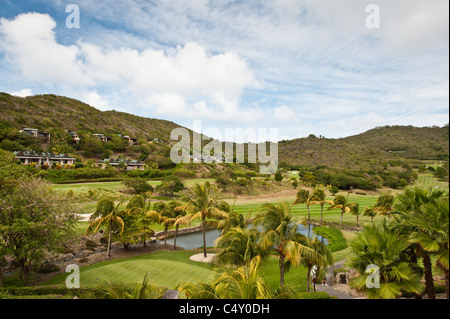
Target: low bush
(336,240)
(314,295)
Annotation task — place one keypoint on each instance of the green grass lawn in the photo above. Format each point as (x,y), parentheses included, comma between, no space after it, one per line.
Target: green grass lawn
(168,268)
(428,180)
(328,215)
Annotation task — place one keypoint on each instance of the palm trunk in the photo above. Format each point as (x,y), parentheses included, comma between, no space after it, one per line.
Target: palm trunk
(446,276)
(108,252)
(413,259)
(309,215)
(282,270)
(308,279)
(175,239)
(429,284)
(357,220)
(342,215)
(204,237)
(165,234)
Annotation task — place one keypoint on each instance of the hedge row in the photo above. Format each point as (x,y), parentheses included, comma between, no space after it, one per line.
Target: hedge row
(95,293)
(336,240)
(83,292)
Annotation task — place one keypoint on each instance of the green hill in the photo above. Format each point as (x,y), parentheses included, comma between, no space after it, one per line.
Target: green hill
(371,149)
(45,112)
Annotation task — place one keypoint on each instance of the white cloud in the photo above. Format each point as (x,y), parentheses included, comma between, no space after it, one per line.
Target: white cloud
(173,82)
(285,114)
(23,93)
(259,63)
(29,42)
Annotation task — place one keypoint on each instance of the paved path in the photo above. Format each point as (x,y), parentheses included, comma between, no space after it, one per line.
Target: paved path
(329,280)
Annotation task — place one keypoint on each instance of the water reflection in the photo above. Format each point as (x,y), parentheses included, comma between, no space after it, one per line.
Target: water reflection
(195,240)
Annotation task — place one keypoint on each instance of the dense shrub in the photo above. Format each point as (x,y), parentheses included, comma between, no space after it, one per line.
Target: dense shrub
(148,174)
(336,240)
(137,185)
(84,173)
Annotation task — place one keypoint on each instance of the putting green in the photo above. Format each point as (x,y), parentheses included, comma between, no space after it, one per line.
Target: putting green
(162,273)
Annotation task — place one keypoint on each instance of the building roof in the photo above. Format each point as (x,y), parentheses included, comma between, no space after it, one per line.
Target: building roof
(29,154)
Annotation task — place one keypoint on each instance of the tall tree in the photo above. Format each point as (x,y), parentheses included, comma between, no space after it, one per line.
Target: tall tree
(34,220)
(371,212)
(341,202)
(410,215)
(354,210)
(279,231)
(322,259)
(202,203)
(384,205)
(319,198)
(379,245)
(304,197)
(106,214)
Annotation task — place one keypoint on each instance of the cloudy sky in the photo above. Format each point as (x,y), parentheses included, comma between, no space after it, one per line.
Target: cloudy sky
(302,66)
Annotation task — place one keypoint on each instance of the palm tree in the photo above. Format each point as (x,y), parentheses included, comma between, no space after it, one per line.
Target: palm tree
(238,247)
(304,197)
(341,202)
(379,245)
(202,201)
(106,214)
(431,233)
(318,198)
(233,220)
(140,291)
(279,231)
(409,215)
(322,259)
(384,205)
(371,212)
(169,215)
(140,205)
(354,209)
(242,283)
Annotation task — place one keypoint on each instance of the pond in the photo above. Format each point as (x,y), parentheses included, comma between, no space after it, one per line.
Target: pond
(195,240)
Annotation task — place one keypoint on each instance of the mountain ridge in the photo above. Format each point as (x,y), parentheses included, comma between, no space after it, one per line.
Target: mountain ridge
(369,148)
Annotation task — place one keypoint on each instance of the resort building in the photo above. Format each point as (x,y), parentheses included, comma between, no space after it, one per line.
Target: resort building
(129,165)
(33,158)
(102,137)
(158,141)
(35,133)
(75,138)
(131,140)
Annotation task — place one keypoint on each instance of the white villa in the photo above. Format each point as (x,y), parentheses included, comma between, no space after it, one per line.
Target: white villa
(129,165)
(30,158)
(35,133)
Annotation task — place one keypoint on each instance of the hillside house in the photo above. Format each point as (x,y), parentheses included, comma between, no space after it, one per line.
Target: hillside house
(75,138)
(158,141)
(35,133)
(102,137)
(33,158)
(129,165)
(131,140)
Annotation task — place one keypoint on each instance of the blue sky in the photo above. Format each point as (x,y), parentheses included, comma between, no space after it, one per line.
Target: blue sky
(302,66)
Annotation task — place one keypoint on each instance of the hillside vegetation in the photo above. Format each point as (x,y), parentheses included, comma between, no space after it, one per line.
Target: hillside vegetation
(384,156)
